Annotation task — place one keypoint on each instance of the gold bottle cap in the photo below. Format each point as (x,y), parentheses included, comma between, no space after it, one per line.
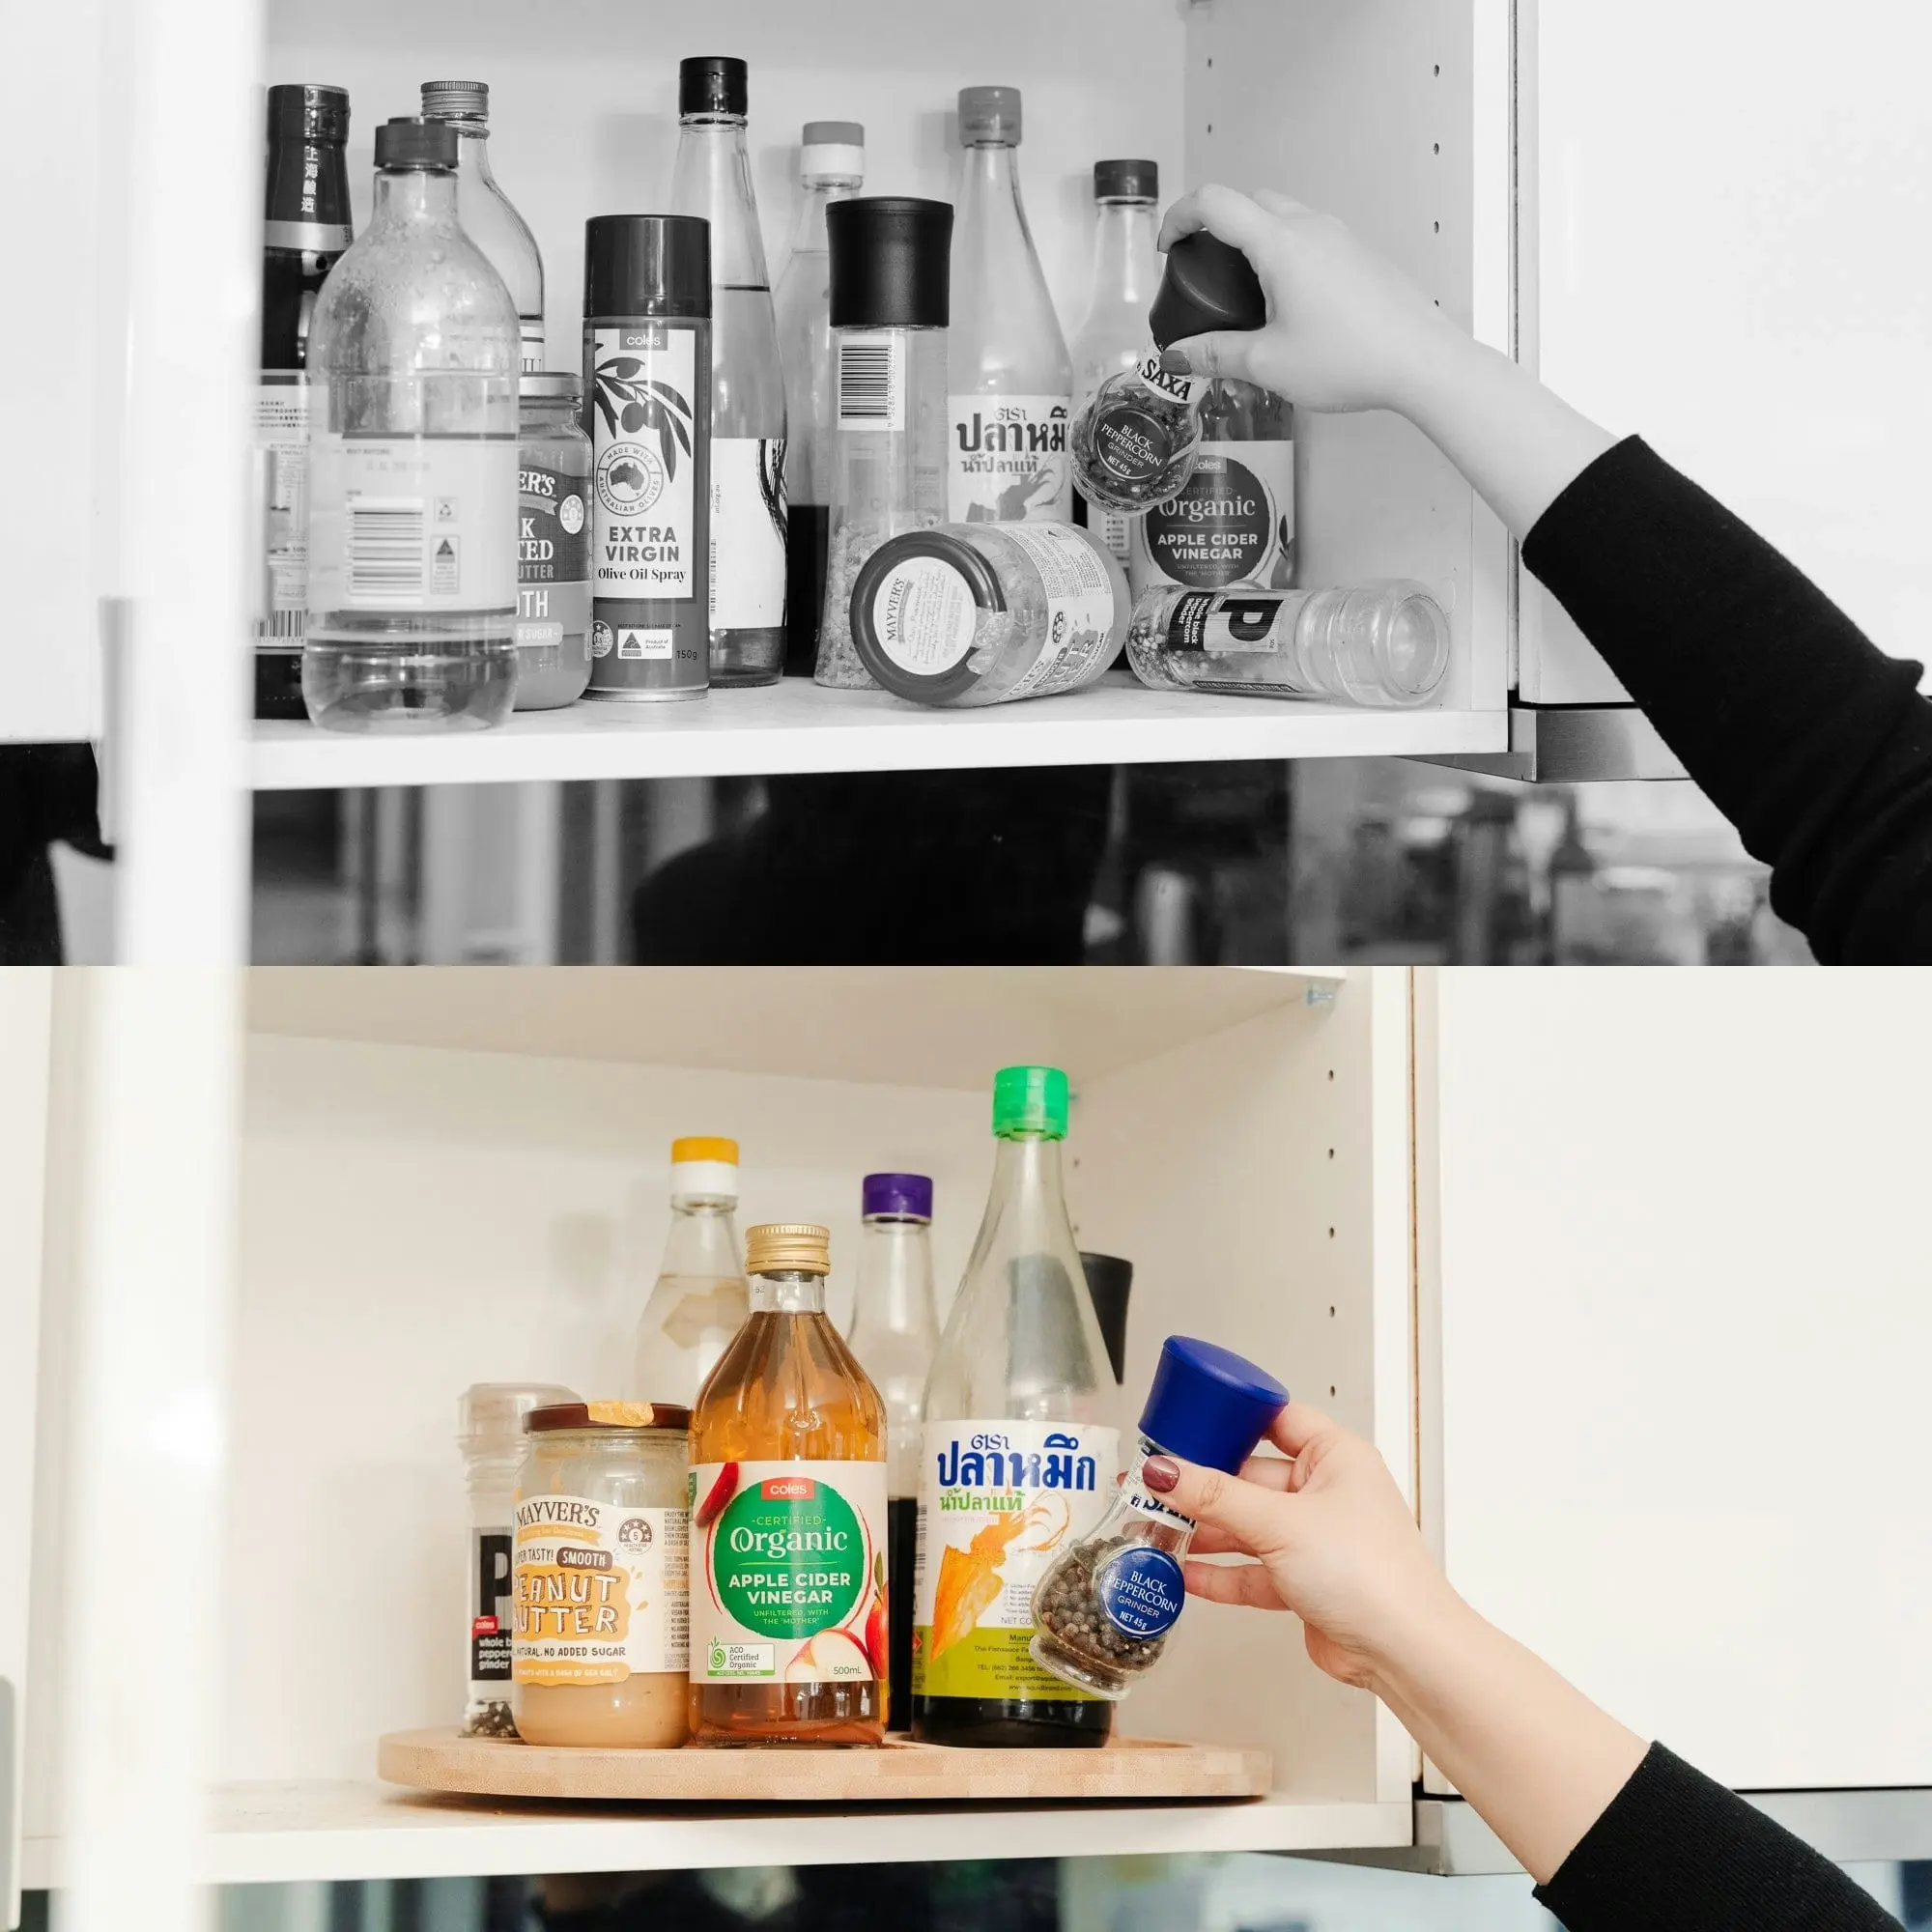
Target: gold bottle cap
(787,1247)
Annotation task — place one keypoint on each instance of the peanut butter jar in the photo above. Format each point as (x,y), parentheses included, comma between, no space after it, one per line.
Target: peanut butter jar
(601,1645)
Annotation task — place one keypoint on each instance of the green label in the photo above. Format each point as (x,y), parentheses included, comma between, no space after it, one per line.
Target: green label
(794,1575)
(791,1563)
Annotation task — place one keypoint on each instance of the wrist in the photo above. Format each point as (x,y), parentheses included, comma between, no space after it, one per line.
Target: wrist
(1428,1631)
(1437,362)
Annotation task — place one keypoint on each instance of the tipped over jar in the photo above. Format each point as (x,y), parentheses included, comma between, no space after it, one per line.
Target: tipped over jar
(1104,1611)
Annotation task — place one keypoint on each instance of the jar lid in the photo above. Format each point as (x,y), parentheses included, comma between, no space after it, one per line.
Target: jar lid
(549,385)
(490,1415)
(788,1247)
(659,1417)
(890,261)
(1209,1404)
(916,612)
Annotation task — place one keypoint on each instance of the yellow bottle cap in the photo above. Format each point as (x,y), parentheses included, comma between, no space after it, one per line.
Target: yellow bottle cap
(704,1148)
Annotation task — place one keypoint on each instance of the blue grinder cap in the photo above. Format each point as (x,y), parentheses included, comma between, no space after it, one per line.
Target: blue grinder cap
(1209,1404)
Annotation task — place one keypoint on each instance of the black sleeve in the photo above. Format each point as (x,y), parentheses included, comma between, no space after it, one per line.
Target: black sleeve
(1675,1851)
(1812,742)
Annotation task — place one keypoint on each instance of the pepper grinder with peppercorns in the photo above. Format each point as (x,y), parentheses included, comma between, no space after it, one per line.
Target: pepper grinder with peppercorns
(1104,1610)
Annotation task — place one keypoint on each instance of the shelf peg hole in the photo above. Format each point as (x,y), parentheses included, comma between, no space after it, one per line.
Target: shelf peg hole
(1439,228)
(1331,1314)
(1438,147)
(1331,1153)
(1438,69)
(1331,1388)
(1331,1233)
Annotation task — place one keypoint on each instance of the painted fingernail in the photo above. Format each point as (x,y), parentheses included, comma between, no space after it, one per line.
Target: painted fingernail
(1174,362)
(1160,1473)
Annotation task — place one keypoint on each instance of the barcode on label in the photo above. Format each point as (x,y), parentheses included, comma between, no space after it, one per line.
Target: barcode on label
(872,383)
(385,549)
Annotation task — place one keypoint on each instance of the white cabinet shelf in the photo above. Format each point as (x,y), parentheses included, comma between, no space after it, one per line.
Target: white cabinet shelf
(291,1833)
(797,727)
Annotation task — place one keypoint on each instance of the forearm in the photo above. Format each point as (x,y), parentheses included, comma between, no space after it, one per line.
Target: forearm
(1538,1761)
(1519,445)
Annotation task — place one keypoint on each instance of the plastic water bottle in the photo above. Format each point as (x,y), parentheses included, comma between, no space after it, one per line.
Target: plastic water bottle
(412,477)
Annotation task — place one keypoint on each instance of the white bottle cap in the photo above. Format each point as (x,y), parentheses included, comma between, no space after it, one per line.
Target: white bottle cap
(704,1166)
(833,148)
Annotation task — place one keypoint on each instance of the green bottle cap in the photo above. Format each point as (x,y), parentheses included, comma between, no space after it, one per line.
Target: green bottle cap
(1029,1100)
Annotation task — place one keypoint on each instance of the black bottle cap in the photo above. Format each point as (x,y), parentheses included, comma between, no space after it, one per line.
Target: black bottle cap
(404,142)
(1109,1281)
(1127,181)
(713,84)
(308,113)
(647,264)
(1209,287)
(891,262)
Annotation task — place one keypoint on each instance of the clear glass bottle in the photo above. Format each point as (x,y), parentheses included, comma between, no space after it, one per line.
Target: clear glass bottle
(890,295)
(712,180)
(788,1488)
(413,464)
(1135,443)
(983,613)
(1127,271)
(832,168)
(485,210)
(553,541)
(1017,1462)
(305,234)
(895,1334)
(1382,646)
(700,1299)
(490,1434)
(1012,380)
(1106,1607)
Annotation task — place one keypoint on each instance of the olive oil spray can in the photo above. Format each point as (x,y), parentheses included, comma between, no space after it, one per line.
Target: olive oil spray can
(648,411)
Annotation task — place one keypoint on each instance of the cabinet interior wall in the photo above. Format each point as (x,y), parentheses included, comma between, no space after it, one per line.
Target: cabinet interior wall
(418,1218)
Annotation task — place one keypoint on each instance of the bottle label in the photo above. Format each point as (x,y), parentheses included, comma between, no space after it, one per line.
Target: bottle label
(643,430)
(1115,528)
(490,1616)
(1007,460)
(925,616)
(530,331)
(748,533)
(553,564)
(1202,622)
(792,1557)
(1234,522)
(603,1591)
(1134,425)
(281,436)
(999,1501)
(872,383)
(1081,615)
(412,524)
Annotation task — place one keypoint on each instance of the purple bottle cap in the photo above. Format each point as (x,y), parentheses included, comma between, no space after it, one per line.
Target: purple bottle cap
(908,1194)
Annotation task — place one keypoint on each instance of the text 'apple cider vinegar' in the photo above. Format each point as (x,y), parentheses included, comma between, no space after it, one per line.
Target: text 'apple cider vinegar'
(788,1520)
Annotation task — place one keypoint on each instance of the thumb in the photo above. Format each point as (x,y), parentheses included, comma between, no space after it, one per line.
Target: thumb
(1246,1512)
(1209,355)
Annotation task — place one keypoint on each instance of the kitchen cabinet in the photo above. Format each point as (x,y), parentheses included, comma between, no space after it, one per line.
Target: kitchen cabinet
(1674,1331)
(1619,1273)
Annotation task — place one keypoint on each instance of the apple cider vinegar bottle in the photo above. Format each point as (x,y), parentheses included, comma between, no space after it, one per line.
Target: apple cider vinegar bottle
(788,1589)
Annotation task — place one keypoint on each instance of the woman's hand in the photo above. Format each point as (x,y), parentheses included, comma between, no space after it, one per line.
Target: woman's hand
(1346,330)
(1330,1537)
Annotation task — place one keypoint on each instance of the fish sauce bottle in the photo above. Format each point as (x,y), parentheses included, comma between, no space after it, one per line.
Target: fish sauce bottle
(1018,1463)
(413,464)
(788,1586)
(712,181)
(1012,380)
(1136,444)
(894,1334)
(647,412)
